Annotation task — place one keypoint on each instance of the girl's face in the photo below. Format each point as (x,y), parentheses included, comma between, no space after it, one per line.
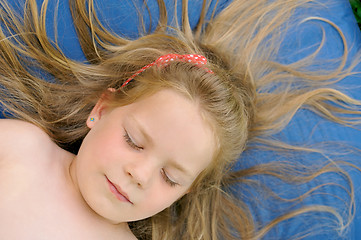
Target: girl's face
(139,159)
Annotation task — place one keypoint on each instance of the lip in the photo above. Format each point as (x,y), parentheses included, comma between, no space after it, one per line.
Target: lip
(117,191)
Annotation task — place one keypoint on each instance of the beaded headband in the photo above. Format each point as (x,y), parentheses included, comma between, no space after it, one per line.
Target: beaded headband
(164,61)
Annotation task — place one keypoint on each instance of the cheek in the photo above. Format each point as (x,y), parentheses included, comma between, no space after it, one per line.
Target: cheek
(161,199)
(94,156)
(102,146)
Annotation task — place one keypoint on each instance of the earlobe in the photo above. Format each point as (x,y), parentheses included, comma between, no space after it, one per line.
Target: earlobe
(95,114)
(97,111)
(90,122)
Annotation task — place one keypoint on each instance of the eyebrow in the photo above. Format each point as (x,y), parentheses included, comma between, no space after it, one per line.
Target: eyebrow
(150,140)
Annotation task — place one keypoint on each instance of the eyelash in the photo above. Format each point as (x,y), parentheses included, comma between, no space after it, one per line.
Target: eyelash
(131,143)
(136,147)
(167,179)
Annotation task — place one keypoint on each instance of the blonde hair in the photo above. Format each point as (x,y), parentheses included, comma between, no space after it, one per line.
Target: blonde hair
(247,99)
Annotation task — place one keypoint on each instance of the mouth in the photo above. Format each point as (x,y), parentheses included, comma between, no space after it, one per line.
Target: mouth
(117,191)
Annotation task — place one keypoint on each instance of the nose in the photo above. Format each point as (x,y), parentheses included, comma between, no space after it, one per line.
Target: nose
(141,171)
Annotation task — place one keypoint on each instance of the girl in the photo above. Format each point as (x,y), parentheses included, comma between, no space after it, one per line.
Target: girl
(154,124)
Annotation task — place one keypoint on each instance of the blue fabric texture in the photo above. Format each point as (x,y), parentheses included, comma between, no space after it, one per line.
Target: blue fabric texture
(305,128)
(309,129)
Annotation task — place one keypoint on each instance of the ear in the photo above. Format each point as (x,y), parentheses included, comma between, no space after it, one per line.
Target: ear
(99,108)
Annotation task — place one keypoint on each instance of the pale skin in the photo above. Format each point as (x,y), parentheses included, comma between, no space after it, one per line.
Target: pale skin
(151,151)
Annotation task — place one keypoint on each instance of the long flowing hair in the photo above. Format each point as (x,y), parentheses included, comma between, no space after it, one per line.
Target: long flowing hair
(249,98)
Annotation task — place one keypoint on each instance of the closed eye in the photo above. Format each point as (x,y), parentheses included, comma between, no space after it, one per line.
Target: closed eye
(130,142)
(167,179)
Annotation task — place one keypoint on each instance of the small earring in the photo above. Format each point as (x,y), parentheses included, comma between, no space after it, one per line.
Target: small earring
(92,119)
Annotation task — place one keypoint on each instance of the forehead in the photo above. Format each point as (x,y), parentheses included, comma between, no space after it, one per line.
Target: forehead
(177,127)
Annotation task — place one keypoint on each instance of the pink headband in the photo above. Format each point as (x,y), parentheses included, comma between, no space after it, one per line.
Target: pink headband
(164,61)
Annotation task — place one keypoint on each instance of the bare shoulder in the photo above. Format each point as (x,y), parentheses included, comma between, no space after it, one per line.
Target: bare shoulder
(18,138)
